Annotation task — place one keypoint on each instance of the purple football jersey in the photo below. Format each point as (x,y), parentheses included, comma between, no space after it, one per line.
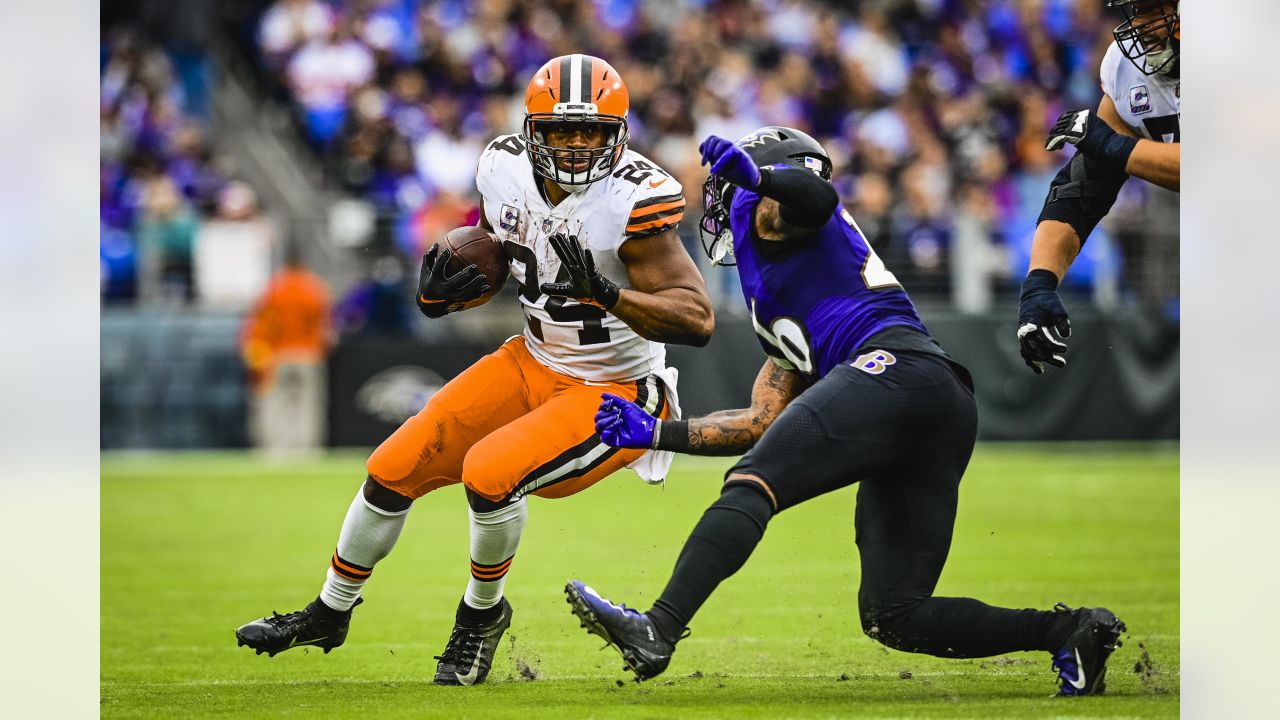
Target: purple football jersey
(815,301)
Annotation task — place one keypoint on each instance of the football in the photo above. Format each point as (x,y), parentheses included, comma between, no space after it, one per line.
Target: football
(473,245)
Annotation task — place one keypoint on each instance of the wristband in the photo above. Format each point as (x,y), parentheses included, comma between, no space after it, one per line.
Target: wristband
(766,177)
(671,435)
(609,293)
(1118,148)
(1039,280)
(434,308)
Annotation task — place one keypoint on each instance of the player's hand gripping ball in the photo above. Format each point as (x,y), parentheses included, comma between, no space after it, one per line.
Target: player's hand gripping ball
(466,272)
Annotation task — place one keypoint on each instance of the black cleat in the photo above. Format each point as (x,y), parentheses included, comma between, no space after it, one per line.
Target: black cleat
(645,652)
(1082,661)
(313,625)
(468,655)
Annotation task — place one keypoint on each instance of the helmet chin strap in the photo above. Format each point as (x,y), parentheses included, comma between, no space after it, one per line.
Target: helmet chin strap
(1165,57)
(581,177)
(573,189)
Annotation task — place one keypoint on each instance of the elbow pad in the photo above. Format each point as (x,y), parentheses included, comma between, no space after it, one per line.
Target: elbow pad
(806,200)
(1082,194)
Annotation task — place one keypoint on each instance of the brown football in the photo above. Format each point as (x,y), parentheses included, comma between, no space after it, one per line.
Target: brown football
(473,245)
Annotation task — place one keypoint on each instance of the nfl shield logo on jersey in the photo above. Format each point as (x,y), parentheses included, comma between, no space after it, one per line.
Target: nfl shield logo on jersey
(1139,100)
(509,217)
(546,225)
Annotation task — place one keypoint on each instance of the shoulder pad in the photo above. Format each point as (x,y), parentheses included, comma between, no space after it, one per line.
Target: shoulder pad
(1109,71)
(497,161)
(653,199)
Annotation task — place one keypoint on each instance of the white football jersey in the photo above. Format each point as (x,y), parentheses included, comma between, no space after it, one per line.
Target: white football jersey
(638,199)
(1150,104)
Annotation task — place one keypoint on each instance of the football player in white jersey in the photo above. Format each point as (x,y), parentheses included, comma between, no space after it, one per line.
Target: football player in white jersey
(1133,132)
(589,228)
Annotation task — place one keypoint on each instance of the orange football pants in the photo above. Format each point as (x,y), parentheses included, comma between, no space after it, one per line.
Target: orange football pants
(509,426)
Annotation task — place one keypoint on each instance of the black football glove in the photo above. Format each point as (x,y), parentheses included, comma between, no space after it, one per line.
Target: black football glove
(1092,136)
(440,294)
(1043,327)
(585,283)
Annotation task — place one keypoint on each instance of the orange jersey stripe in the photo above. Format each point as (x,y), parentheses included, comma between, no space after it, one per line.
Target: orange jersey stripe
(651,209)
(672,220)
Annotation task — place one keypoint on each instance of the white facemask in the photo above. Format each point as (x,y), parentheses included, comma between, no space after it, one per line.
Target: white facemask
(721,251)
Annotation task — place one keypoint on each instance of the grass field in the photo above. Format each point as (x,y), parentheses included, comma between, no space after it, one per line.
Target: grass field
(194,545)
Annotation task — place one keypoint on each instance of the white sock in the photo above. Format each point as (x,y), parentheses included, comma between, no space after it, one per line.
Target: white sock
(368,534)
(494,538)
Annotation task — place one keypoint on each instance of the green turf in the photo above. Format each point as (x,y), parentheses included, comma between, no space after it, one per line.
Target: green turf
(194,545)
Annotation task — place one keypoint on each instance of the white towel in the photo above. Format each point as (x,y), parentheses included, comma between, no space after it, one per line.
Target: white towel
(652,466)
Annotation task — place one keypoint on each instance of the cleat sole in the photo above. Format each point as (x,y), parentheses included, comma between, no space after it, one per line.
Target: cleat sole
(1112,634)
(593,626)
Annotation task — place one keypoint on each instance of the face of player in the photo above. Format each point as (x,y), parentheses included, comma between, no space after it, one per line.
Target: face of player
(575,136)
(1148,21)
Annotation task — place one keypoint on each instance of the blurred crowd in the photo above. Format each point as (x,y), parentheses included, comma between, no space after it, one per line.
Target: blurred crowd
(930,108)
(177,226)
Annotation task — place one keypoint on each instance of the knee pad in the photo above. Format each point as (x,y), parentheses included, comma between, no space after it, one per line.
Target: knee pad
(870,620)
(489,480)
(888,626)
(389,465)
(879,625)
(746,498)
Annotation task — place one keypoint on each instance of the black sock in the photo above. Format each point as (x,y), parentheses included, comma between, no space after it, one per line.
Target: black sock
(718,546)
(324,613)
(474,617)
(1056,626)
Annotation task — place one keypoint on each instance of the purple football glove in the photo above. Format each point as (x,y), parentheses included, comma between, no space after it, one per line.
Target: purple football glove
(730,162)
(622,423)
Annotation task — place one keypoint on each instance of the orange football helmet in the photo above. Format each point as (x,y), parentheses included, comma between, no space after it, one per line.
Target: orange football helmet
(576,89)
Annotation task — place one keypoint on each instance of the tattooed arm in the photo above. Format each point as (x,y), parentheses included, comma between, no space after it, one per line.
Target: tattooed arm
(733,432)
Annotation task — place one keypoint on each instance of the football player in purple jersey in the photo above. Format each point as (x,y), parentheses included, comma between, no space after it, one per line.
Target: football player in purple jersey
(853,390)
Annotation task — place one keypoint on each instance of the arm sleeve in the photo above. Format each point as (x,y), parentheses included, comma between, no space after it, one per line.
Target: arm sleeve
(806,200)
(1082,194)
